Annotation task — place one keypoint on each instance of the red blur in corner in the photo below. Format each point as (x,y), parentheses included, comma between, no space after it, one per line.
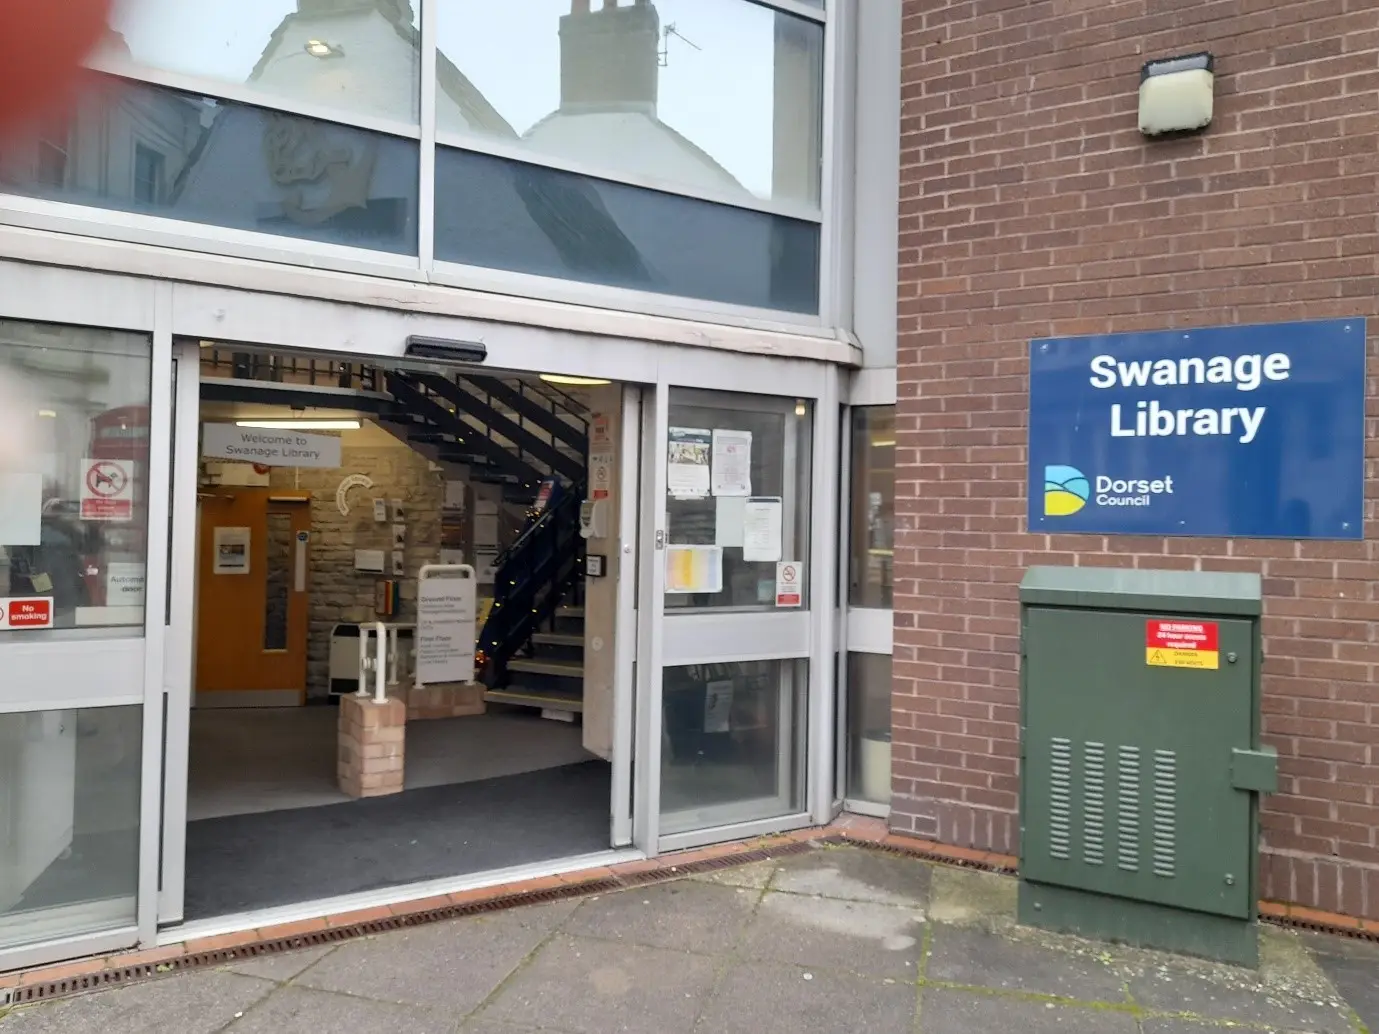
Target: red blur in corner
(42,44)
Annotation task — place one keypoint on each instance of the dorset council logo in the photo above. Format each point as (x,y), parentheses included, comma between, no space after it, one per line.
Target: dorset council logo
(1066,490)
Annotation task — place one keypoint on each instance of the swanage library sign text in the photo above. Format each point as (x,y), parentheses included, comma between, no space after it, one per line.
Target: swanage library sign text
(1228,431)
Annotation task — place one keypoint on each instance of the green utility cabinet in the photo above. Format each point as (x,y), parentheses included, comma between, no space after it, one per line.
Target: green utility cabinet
(1141,766)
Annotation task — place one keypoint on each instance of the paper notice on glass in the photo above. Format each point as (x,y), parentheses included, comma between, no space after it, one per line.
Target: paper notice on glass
(687,456)
(731,512)
(692,569)
(21,508)
(761,530)
(718,706)
(732,463)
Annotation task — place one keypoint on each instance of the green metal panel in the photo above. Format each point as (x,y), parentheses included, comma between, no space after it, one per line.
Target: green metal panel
(1197,593)
(1127,767)
(1255,770)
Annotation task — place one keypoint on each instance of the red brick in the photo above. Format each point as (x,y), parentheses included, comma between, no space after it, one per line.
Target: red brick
(1033,208)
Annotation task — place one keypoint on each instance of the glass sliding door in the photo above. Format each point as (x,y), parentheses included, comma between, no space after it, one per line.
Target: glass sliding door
(735,637)
(77,501)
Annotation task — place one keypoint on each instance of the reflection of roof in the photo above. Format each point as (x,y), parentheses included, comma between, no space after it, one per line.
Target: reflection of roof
(641,142)
(449,79)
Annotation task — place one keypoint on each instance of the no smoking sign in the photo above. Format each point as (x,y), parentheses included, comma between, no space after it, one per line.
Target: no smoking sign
(790,584)
(107,490)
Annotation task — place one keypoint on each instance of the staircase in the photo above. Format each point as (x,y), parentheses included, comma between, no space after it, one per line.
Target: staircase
(528,437)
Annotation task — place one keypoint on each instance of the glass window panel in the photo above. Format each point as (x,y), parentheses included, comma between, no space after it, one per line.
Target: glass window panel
(69,822)
(74,478)
(138,148)
(779,467)
(277,562)
(869,727)
(360,57)
(502,214)
(733,739)
(871,575)
(715,95)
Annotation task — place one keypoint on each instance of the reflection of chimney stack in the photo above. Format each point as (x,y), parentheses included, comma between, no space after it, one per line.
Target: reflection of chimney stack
(609,57)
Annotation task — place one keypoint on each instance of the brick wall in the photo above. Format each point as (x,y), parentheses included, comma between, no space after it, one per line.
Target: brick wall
(1031,206)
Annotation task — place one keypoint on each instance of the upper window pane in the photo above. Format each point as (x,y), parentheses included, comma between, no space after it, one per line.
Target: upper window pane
(504,214)
(724,96)
(738,487)
(74,405)
(873,506)
(139,148)
(360,56)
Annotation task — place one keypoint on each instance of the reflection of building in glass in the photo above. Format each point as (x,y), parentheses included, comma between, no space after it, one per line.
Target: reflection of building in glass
(609,86)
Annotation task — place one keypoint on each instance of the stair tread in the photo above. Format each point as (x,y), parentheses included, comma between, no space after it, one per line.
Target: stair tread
(569,612)
(570,669)
(557,639)
(535,698)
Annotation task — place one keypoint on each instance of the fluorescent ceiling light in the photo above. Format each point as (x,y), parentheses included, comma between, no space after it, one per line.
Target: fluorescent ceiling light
(51,414)
(320,48)
(300,425)
(578,382)
(882,443)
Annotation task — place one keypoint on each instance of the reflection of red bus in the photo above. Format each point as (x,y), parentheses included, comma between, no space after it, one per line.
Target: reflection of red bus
(117,434)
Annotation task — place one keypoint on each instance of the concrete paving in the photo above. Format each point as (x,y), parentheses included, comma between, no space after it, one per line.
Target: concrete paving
(837,940)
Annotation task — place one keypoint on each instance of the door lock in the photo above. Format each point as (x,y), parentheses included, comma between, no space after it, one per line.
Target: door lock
(660,539)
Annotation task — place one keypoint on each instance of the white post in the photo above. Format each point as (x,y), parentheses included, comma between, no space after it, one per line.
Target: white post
(363,689)
(380,675)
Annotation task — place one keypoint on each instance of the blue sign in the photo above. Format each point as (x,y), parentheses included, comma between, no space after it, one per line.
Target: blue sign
(1230,431)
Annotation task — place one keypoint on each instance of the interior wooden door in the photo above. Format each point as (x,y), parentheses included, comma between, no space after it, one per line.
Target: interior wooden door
(253,596)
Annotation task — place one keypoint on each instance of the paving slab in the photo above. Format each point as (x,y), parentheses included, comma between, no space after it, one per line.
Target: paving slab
(970,897)
(299,1010)
(980,958)
(857,936)
(768,998)
(453,965)
(754,876)
(685,916)
(280,967)
(588,987)
(852,874)
(1353,967)
(186,1003)
(944,1011)
(1238,997)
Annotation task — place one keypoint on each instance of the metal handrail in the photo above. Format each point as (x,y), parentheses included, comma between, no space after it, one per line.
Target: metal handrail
(379,666)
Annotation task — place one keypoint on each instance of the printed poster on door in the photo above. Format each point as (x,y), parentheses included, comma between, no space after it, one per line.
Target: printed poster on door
(790,584)
(687,467)
(107,490)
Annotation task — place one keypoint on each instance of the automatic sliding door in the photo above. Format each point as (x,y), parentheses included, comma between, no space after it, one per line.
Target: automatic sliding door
(735,678)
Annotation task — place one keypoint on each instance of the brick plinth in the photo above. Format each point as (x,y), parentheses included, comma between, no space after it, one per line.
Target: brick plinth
(372,746)
(447,700)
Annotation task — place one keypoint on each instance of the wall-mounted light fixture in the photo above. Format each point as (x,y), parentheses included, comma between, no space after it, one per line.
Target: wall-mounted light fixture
(1176,94)
(572,381)
(320,48)
(293,424)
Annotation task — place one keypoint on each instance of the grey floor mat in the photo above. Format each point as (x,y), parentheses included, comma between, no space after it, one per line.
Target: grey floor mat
(243,862)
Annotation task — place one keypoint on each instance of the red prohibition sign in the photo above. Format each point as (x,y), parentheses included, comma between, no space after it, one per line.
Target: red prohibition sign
(106,479)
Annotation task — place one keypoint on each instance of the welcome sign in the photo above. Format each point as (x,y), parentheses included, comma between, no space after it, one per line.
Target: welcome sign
(1254,431)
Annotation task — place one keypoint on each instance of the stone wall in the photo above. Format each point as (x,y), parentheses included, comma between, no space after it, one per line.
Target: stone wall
(338,592)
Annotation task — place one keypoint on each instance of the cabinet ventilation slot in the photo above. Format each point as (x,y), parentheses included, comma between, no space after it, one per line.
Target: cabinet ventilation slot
(1061,798)
(1094,803)
(1128,810)
(1165,813)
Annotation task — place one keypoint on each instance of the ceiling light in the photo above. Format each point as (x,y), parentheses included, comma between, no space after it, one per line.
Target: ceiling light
(882,443)
(800,408)
(51,414)
(576,382)
(300,425)
(320,48)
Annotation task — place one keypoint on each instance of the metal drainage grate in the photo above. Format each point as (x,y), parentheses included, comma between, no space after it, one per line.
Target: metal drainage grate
(1348,932)
(219,957)
(916,852)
